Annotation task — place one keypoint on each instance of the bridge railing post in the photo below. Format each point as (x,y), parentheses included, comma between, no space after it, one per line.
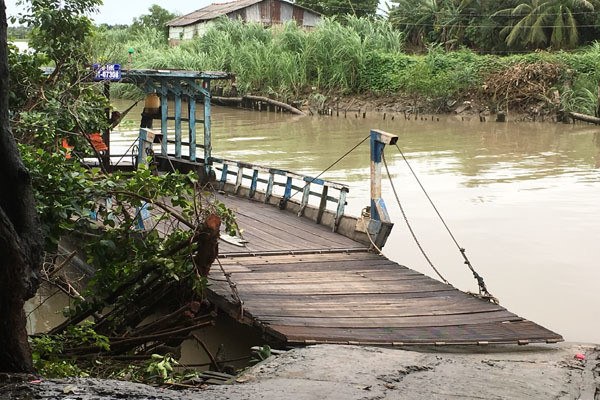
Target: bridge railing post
(380,224)
(145,140)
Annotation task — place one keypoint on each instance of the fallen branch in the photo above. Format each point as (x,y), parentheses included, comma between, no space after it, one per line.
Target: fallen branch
(586,118)
(237,100)
(285,106)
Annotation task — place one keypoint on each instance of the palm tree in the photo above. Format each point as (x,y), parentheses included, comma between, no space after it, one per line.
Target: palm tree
(415,18)
(543,23)
(437,21)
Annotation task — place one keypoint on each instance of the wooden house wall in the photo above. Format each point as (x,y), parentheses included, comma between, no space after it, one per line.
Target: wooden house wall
(252,13)
(267,12)
(310,19)
(287,13)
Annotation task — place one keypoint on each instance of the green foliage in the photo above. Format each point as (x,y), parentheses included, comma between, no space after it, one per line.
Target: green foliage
(381,71)
(45,109)
(260,355)
(506,25)
(542,23)
(282,60)
(358,8)
(582,97)
(47,351)
(160,368)
(60,29)
(156,18)
(17,32)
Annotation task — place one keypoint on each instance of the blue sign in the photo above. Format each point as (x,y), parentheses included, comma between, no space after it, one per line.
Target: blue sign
(107,72)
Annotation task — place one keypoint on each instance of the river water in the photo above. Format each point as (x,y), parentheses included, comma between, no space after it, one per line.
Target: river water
(522,198)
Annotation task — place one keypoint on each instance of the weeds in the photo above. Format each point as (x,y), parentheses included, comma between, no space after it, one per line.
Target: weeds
(356,55)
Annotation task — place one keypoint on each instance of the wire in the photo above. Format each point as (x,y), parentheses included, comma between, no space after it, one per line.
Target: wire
(412,232)
(480,282)
(328,168)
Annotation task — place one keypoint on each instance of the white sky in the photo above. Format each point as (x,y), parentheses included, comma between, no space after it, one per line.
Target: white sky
(123,11)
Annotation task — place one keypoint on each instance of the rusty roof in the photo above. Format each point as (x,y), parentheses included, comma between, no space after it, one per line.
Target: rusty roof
(216,10)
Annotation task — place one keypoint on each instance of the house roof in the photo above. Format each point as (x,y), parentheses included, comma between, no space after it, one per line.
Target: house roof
(216,10)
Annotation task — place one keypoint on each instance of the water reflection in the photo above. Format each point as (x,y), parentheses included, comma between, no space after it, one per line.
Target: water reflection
(522,198)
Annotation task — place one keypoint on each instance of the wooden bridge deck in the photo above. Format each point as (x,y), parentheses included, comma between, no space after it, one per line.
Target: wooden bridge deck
(303,284)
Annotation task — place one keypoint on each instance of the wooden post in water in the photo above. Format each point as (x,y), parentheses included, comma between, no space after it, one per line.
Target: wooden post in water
(380,224)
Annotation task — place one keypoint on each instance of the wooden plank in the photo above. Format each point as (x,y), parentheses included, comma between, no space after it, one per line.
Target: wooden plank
(318,287)
(421,307)
(361,301)
(306,277)
(393,321)
(354,265)
(348,298)
(250,276)
(255,214)
(373,315)
(281,239)
(314,257)
(491,332)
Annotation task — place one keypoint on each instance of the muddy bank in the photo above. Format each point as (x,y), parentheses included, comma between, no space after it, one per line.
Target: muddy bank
(566,371)
(405,107)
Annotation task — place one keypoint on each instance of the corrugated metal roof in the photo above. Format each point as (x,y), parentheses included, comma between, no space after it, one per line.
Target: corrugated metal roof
(216,10)
(211,12)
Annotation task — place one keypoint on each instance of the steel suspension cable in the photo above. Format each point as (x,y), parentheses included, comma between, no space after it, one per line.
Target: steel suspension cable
(408,224)
(480,282)
(331,166)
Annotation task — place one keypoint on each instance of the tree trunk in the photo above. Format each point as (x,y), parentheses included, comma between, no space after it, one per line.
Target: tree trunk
(20,234)
(586,118)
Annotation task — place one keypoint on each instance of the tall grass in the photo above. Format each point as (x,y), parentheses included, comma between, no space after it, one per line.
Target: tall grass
(283,59)
(352,55)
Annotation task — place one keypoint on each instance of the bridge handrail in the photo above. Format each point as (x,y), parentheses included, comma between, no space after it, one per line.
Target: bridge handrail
(233,172)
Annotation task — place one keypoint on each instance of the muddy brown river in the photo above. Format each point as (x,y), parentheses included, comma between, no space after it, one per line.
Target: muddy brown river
(522,198)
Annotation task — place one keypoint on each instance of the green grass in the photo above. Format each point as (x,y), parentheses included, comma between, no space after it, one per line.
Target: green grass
(352,56)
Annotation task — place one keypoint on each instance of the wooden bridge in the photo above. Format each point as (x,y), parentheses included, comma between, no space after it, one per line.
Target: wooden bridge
(304,272)
(301,283)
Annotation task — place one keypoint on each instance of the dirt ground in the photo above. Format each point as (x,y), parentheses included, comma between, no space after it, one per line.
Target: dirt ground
(565,371)
(405,107)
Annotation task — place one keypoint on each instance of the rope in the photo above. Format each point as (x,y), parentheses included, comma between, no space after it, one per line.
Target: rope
(284,201)
(412,232)
(483,291)
(233,288)
(379,251)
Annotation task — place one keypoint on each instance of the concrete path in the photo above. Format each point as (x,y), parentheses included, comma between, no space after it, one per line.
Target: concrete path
(352,372)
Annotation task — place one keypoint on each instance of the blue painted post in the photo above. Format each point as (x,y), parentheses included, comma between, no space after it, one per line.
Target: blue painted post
(340,208)
(143,214)
(178,123)
(164,107)
(192,127)
(380,224)
(145,140)
(239,178)
(269,190)
(305,197)
(254,183)
(207,133)
(224,176)
(288,189)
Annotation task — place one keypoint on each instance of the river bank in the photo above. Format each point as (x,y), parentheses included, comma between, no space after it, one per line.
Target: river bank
(564,371)
(401,106)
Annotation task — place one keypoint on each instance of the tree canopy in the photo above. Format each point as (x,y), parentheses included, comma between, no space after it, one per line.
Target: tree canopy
(156,18)
(506,25)
(330,8)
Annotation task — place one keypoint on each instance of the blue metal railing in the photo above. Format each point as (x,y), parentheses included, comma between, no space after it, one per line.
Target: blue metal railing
(330,196)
